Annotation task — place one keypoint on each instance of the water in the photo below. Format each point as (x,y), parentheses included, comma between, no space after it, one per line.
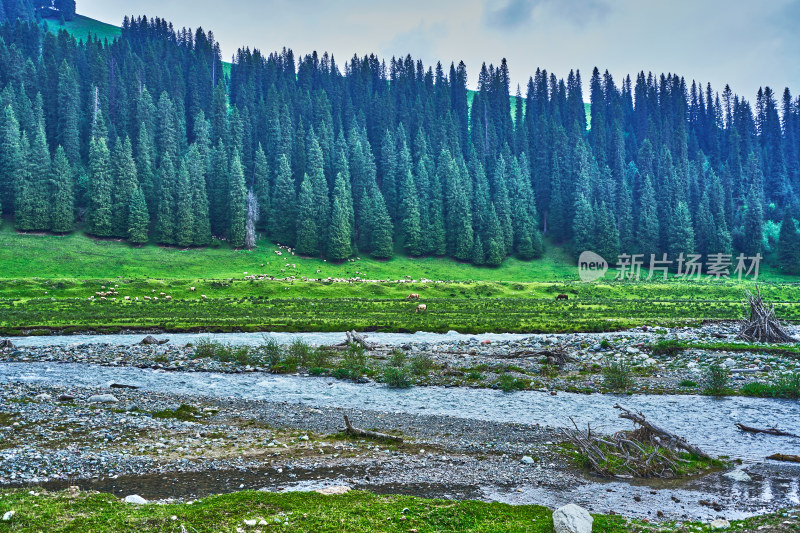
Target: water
(254,339)
(705,421)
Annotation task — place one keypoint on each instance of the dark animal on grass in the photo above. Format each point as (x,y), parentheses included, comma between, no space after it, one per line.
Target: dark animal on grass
(562,297)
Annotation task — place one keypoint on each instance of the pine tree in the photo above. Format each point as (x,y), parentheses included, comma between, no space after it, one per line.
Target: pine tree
(238,202)
(100,207)
(380,243)
(62,200)
(340,235)
(184,216)
(12,160)
(38,185)
(409,216)
(138,218)
(261,174)
(315,166)
(606,238)
(165,218)
(583,227)
(201,227)
(282,221)
(125,181)
(24,194)
(648,223)
(753,221)
(68,127)
(682,235)
(789,246)
(307,230)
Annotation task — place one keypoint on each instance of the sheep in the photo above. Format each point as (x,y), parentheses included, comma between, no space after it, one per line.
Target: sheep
(203,296)
(191,289)
(421,308)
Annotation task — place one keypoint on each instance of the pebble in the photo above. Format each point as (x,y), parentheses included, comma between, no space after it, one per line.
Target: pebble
(135,499)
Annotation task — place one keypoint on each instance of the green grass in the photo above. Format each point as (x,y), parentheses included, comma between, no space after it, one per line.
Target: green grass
(355,512)
(786,387)
(81,27)
(672,347)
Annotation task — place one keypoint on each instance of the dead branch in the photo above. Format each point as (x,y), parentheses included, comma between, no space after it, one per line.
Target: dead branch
(769,431)
(674,440)
(357,432)
(783,457)
(761,324)
(355,338)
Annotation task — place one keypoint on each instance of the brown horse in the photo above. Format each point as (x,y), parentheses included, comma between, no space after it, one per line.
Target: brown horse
(562,297)
(413,296)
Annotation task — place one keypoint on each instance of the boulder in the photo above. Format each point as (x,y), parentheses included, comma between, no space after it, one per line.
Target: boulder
(66,398)
(527,459)
(738,475)
(149,340)
(135,499)
(8,516)
(720,523)
(572,519)
(43,397)
(102,398)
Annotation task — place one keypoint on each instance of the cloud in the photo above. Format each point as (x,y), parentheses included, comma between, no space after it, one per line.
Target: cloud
(519,13)
(420,41)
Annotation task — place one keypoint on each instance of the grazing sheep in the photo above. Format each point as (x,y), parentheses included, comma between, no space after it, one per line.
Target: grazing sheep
(127,297)
(192,289)
(203,296)
(421,308)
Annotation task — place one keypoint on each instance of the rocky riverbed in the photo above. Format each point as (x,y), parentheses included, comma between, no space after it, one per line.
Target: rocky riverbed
(181,446)
(479,362)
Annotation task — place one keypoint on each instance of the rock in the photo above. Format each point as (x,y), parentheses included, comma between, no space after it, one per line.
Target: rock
(6,344)
(631,349)
(66,398)
(149,340)
(729,363)
(572,519)
(102,398)
(738,475)
(122,386)
(8,515)
(131,407)
(720,523)
(135,499)
(527,459)
(43,396)
(331,491)
(251,523)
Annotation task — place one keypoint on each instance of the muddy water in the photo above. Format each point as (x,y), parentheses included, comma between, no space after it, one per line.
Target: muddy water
(707,422)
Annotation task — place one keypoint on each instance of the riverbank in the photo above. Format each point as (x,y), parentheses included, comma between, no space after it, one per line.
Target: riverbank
(355,512)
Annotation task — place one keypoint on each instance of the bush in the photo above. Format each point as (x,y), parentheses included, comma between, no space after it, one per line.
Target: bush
(225,353)
(687,383)
(421,365)
(617,376)
(299,351)
(353,364)
(397,377)
(669,348)
(397,358)
(604,344)
(509,383)
(787,387)
(716,381)
(548,371)
(271,352)
(319,357)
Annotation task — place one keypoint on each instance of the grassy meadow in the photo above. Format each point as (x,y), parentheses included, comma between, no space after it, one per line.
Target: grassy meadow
(50,283)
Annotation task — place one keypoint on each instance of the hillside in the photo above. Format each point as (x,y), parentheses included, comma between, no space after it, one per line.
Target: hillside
(81,27)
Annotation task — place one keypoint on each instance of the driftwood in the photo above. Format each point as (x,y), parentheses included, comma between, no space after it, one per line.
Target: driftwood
(555,357)
(355,338)
(783,457)
(761,324)
(6,344)
(357,432)
(664,437)
(648,451)
(769,431)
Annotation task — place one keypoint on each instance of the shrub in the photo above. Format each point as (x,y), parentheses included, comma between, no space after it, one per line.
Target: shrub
(397,358)
(421,365)
(475,376)
(187,413)
(509,383)
(716,380)
(669,348)
(353,364)
(548,371)
(271,351)
(319,357)
(604,344)
(397,377)
(299,351)
(617,376)
(687,383)
(787,387)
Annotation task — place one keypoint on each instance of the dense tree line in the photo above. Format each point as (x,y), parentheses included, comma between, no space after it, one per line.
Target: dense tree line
(149,138)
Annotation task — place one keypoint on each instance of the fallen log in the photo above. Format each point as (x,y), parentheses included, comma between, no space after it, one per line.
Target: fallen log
(357,432)
(783,457)
(351,338)
(769,431)
(672,439)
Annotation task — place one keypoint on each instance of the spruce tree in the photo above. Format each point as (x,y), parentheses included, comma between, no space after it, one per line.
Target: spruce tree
(682,236)
(261,174)
(184,216)
(125,182)
(648,224)
(381,226)
(606,238)
(307,242)
(788,246)
(237,202)
(40,166)
(99,214)
(340,234)
(583,227)
(12,160)
(24,191)
(165,217)
(753,220)
(410,231)
(138,218)
(282,215)
(201,222)
(68,126)
(62,200)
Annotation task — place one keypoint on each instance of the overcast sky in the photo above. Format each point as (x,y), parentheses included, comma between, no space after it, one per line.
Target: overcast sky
(745,43)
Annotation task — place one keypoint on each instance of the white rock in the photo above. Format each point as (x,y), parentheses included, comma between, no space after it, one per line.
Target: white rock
(102,398)
(250,523)
(631,349)
(135,499)
(738,475)
(43,396)
(720,523)
(650,361)
(8,516)
(729,363)
(330,491)
(572,519)
(527,459)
